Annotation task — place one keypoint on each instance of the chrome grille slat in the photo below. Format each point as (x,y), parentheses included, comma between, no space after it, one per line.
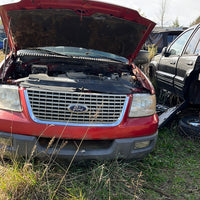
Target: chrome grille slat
(64,107)
(64,104)
(52,106)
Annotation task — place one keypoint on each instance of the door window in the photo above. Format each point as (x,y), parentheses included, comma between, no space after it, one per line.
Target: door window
(197,51)
(193,43)
(177,47)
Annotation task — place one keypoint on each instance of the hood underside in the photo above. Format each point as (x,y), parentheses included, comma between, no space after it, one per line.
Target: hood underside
(86,24)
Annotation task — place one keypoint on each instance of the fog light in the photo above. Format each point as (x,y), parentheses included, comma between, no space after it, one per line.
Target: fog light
(5,141)
(140,145)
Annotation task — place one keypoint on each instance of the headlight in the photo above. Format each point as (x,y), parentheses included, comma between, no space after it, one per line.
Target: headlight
(9,98)
(142,105)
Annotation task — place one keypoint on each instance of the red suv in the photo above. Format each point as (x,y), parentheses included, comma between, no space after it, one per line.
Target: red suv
(69,84)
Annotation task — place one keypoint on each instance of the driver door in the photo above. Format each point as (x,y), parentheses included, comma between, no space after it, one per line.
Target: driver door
(167,66)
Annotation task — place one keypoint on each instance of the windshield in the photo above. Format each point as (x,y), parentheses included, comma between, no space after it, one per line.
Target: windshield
(82,52)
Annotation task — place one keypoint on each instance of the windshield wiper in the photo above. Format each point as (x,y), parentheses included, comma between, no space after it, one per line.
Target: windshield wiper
(53,53)
(99,55)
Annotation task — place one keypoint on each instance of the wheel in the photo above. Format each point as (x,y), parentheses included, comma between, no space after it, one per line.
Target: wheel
(190,126)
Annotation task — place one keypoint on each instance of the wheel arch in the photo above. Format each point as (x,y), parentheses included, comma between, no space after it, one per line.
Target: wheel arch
(152,69)
(192,87)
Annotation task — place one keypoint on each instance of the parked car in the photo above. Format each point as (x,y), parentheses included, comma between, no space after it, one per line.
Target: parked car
(1,42)
(159,37)
(177,67)
(177,70)
(70,82)
(162,36)
(2,36)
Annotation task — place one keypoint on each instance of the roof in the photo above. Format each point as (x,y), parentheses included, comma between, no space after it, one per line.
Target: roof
(168,29)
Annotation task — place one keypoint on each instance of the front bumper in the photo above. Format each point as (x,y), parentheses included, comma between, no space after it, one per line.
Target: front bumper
(119,148)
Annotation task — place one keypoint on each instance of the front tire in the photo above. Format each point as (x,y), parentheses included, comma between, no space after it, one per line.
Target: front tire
(190,126)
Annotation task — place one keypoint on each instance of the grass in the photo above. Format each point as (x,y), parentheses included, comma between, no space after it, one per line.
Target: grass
(2,56)
(152,49)
(16,182)
(171,171)
(173,167)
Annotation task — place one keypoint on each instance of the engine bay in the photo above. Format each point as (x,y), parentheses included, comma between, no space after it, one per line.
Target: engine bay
(72,74)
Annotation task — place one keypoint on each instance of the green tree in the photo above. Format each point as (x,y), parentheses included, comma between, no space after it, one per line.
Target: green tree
(141,13)
(196,21)
(176,23)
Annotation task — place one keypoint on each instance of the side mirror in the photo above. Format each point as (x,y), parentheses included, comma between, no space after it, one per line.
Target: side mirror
(164,52)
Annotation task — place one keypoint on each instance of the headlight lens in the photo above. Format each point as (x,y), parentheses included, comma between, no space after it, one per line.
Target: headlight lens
(9,98)
(142,105)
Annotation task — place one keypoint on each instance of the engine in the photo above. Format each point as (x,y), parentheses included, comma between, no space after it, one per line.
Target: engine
(73,74)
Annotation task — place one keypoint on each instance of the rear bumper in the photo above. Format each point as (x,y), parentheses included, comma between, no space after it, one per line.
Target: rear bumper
(118,148)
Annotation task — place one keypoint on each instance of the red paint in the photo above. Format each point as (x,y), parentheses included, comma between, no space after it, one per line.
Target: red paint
(81,7)
(21,123)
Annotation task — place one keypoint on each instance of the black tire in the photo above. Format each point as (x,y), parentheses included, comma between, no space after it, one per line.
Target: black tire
(190,126)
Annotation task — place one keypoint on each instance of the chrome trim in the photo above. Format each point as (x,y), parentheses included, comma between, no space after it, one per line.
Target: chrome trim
(179,82)
(92,124)
(165,77)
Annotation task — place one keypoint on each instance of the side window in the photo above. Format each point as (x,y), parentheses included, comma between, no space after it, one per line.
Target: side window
(178,45)
(197,51)
(193,43)
(171,37)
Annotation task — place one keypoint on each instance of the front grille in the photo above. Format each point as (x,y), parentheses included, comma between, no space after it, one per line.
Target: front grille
(52,106)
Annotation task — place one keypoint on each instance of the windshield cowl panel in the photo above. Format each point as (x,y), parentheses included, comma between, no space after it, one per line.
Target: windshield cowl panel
(72,52)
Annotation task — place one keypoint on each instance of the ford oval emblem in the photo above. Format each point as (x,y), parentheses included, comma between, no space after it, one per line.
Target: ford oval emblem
(77,108)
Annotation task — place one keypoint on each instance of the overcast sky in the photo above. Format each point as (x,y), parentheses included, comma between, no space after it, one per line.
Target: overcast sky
(186,10)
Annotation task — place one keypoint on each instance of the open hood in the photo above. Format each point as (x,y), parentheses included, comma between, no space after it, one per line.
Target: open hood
(78,23)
